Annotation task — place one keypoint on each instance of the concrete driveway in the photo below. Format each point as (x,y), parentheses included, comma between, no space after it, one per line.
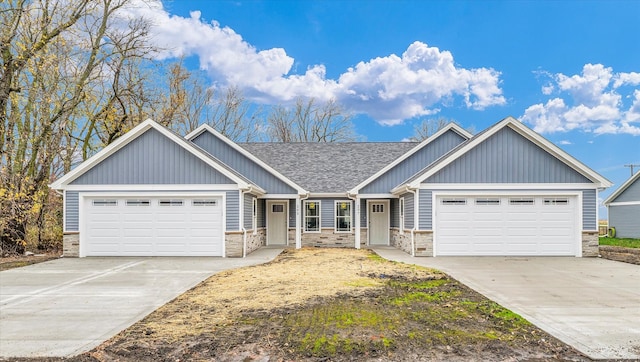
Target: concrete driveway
(69,306)
(591,304)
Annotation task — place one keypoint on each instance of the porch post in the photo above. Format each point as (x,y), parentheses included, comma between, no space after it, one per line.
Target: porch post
(298,222)
(357,222)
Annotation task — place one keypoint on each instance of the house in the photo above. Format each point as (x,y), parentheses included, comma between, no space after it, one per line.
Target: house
(624,209)
(504,191)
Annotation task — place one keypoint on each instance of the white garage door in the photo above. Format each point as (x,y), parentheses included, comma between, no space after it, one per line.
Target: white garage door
(152,226)
(506,225)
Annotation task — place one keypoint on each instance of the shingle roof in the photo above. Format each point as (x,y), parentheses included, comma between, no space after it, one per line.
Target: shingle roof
(328,167)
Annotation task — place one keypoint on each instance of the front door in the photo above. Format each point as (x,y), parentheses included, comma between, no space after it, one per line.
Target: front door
(378,222)
(277,223)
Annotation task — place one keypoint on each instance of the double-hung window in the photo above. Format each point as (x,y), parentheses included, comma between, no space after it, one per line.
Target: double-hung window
(343,216)
(312,216)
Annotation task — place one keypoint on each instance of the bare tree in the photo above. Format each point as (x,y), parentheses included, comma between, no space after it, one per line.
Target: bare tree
(308,121)
(428,126)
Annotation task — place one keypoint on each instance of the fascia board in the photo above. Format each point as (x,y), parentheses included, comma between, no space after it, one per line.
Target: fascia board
(621,189)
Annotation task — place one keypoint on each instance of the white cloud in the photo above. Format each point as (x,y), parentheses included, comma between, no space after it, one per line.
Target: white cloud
(565,142)
(390,88)
(591,101)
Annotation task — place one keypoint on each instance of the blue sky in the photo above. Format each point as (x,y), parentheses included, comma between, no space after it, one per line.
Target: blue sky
(568,69)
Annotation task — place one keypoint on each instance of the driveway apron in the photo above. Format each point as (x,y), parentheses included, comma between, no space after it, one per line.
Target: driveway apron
(591,304)
(69,306)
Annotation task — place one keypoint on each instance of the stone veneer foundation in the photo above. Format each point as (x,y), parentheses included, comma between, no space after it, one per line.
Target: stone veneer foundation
(423,241)
(590,243)
(71,244)
(328,237)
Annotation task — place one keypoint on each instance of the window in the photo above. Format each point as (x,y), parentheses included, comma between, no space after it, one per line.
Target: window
(312,216)
(377,208)
(254,215)
(343,216)
(488,201)
(401,206)
(277,208)
(171,203)
(138,202)
(454,201)
(522,201)
(556,201)
(204,203)
(105,202)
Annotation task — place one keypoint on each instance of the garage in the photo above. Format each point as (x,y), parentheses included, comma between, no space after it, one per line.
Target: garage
(509,225)
(166,225)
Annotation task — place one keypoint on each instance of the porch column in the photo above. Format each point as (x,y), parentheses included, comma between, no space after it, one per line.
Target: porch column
(357,221)
(298,222)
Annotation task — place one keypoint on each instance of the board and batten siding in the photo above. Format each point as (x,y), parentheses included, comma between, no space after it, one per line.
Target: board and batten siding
(414,163)
(71,211)
(152,158)
(507,157)
(631,193)
(242,164)
(626,220)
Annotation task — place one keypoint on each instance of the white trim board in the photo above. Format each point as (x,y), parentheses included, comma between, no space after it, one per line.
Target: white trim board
(154,187)
(624,203)
(205,127)
(524,187)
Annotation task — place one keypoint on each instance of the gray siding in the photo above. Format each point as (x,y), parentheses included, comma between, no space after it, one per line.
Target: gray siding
(632,193)
(507,157)
(394,205)
(233,210)
(151,158)
(408,210)
(71,211)
(589,210)
(414,163)
(425,210)
(248,211)
(363,213)
(626,220)
(242,164)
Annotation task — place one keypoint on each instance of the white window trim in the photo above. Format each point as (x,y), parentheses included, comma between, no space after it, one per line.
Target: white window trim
(335,215)
(304,217)
(401,212)
(254,215)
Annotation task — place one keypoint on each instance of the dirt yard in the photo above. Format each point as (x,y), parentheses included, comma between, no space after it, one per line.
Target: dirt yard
(17,261)
(332,305)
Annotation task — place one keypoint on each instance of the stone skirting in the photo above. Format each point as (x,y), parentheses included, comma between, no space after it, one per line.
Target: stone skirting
(590,241)
(256,240)
(401,240)
(423,240)
(329,238)
(619,253)
(233,244)
(71,244)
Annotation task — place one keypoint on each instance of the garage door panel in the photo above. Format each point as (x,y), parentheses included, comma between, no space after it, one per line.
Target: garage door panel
(144,227)
(506,225)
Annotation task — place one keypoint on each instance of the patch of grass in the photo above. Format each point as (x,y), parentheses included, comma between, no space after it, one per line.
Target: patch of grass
(413,297)
(375,257)
(623,242)
(427,284)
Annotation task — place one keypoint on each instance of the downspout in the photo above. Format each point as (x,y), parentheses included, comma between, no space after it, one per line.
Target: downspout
(415,224)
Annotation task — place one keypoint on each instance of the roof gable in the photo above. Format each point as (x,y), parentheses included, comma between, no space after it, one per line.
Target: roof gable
(180,155)
(243,161)
(629,191)
(413,161)
(481,161)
